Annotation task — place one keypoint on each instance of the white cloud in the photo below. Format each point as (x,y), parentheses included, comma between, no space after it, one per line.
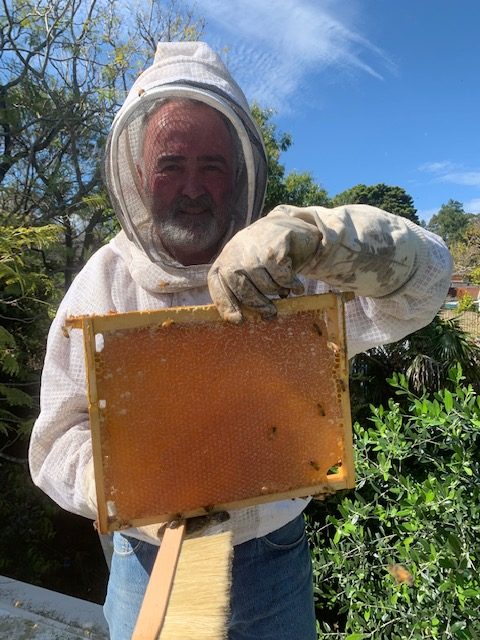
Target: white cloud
(446,171)
(469,178)
(472,206)
(436,167)
(277,48)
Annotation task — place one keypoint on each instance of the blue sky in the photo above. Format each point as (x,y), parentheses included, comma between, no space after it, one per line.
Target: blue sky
(371,90)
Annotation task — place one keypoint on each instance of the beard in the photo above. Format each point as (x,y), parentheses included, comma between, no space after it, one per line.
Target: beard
(191,231)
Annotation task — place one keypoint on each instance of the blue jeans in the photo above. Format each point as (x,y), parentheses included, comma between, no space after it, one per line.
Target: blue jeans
(272,589)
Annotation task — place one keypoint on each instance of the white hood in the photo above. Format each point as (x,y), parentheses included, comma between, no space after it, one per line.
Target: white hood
(180,70)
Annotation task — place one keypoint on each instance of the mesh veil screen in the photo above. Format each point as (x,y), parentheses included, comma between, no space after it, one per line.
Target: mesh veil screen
(149,156)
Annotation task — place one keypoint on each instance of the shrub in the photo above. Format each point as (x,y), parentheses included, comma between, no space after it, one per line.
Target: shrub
(475,275)
(398,558)
(466,303)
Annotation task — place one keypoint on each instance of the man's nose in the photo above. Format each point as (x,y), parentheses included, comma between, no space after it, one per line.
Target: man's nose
(193,186)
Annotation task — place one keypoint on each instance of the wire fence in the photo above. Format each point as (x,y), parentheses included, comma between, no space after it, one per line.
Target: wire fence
(469,321)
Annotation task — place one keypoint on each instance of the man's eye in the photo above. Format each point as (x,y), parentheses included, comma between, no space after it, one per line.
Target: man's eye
(213,168)
(168,168)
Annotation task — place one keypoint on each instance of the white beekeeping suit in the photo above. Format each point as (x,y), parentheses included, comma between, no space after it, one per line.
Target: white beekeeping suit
(399,272)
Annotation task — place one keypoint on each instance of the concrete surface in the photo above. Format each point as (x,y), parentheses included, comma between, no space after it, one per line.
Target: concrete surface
(32,613)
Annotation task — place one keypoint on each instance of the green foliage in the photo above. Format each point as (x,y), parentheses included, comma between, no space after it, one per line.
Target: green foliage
(17,280)
(302,191)
(393,199)
(475,275)
(450,222)
(25,291)
(275,143)
(298,189)
(398,558)
(466,251)
(465,303)
(425,355)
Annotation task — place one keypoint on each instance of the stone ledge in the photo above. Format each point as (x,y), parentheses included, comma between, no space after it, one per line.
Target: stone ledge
(28,612)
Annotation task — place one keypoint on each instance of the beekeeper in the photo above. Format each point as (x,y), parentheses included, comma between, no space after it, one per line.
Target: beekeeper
(185,168)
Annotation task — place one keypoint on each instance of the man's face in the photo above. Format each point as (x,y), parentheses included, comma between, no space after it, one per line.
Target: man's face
(188,174)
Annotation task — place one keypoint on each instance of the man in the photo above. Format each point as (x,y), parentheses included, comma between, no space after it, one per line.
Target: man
(186,171)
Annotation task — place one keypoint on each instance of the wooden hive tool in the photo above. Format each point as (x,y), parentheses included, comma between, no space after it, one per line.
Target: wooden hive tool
(224,417)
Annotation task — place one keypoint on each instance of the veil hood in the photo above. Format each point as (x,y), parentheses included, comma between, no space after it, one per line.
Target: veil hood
(181,70)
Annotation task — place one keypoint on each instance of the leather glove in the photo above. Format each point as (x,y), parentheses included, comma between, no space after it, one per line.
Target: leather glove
(353,248)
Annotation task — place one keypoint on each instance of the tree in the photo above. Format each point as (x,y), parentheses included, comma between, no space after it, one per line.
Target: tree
(450,222)
(25,290)
(466,251)
(64,68)
(295,188)
(302,191)
(393,199)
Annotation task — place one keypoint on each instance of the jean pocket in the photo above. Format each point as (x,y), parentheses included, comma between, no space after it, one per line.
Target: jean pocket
(287,537)
(124,545)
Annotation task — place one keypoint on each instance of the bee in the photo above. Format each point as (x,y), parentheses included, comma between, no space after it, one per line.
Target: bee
(317,328)
(401,575)
(272,433)
(320,408)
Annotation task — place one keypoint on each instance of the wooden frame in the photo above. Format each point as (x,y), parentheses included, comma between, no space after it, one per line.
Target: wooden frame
(190,414)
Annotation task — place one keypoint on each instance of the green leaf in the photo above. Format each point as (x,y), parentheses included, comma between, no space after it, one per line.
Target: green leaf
(15,397)
(448,400)
(9,364)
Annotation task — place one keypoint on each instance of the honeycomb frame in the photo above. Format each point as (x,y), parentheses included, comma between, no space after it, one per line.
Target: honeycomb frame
(233,438)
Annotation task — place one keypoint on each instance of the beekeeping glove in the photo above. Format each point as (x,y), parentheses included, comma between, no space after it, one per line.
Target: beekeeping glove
(353,248)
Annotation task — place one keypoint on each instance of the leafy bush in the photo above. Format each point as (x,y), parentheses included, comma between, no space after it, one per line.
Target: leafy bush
(475,275)
(399,557)
(466,303)
(26,292)
(426,356)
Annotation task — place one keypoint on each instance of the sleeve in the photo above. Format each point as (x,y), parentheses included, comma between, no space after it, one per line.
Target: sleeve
(373,321)
(60,451)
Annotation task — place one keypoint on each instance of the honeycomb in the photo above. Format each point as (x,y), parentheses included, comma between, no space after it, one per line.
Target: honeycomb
(200,414)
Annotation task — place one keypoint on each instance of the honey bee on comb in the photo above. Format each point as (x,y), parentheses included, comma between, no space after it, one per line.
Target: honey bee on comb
(401,574)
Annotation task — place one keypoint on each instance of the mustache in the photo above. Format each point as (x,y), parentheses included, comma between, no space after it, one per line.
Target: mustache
(184,204)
